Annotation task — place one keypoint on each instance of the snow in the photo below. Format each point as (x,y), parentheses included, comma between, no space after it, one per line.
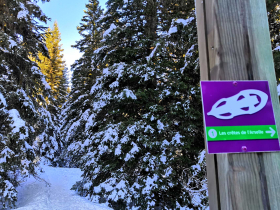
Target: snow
(131,129)
(6,153)
(27,146)
(47,86)
(114,84)
(33,3)
(4,50)
(150,184)
(12,43)
(119,69)
(160,125)
(187,55)
(96,86)
(2,99)
(17,122)
(200,160)
(152,53)
(149,128)
(99,49)
(168,172)
(8,190)
(124,139)
(195,193)
(126,93)
(72,129)
(52,191)
(134,150)
(118,150)
(177,138)
(23,13)
(98,105)
(108,31)
(277,48)
(105,71)
(163,159)
(173,28)
(111,133)
(165,143)
(185,21)
(90,121)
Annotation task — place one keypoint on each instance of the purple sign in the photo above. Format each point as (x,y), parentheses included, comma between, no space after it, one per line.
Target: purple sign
(238,117)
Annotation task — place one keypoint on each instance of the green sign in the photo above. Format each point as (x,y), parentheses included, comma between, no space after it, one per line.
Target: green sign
(224,133)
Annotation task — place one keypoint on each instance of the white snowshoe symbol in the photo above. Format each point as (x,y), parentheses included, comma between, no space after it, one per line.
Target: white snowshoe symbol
(245,102)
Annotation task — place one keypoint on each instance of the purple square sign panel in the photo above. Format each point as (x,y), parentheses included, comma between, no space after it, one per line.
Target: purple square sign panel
(238,117)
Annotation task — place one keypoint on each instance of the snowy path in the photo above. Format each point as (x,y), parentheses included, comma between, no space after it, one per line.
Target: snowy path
(36,195)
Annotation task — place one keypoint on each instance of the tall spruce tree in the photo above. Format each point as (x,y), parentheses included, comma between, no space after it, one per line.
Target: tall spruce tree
(75,111)
(142,137)
(63,87)
(26,128)
(274,26)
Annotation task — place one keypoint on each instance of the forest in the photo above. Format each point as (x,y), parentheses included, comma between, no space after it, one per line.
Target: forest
(130,117)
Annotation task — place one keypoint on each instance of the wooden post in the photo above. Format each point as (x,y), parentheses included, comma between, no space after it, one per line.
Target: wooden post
(234,44)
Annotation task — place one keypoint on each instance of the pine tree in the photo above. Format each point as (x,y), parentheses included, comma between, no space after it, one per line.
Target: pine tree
(53,66)
(63,87)
(274,27)
(75,111)
(26,128)
(90,32)
(140,144)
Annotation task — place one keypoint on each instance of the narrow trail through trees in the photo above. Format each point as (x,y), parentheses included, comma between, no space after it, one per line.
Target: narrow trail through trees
(53,192)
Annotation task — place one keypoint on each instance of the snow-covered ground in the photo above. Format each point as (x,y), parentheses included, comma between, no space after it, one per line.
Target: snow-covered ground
(38,195)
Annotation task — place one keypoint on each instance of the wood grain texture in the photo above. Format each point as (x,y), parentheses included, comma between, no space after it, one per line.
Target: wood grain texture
(204,75)
(235,37)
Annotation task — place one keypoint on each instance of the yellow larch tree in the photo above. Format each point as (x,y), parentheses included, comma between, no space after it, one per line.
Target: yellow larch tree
(53,67)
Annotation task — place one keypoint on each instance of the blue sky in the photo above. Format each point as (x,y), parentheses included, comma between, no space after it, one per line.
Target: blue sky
(68,14)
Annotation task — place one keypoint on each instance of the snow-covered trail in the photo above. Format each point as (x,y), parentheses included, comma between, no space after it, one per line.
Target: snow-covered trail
(37,195)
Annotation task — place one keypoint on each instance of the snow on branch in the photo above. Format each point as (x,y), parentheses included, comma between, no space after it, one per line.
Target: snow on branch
(126,93)
(23,13)
(196,194)
(12,43)
(152,53)
(276,49)
(185,22)
(108,31)
(2,99)
(47,86)
(17,122)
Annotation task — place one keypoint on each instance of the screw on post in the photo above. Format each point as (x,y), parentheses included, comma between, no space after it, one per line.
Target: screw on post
(244,149)
(234,83)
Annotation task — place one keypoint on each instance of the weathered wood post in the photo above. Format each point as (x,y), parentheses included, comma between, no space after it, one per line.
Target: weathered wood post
(234,44)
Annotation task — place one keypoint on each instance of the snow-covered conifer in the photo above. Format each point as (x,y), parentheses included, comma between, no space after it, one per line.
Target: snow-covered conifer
(26,127)
(143,133)
(76,111)
(274,28)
